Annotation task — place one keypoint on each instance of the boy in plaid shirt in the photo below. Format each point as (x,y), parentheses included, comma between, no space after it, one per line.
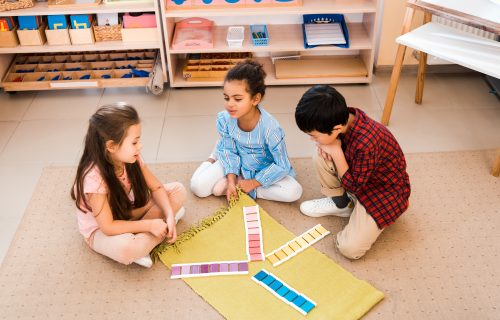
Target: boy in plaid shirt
(361,168)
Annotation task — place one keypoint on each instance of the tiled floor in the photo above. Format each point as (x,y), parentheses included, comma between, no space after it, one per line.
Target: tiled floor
(47,128)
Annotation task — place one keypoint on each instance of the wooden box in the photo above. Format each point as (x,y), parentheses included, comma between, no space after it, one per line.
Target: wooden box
(9,39)
(140,35)
(32,37)
(82,36)
(57,37)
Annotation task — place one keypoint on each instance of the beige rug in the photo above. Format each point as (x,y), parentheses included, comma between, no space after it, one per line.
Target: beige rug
(440,260)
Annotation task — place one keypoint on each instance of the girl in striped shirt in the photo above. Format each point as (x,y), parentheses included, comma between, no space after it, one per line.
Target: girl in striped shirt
(251,152)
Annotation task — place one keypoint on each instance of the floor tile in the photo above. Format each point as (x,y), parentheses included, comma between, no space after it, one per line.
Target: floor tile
(298,143)
(466,92)
(151,134)
(283,99)
(13,106)
(147,104)
(8,227)
(64,104)
(45,141)
(6,131)
(187,139)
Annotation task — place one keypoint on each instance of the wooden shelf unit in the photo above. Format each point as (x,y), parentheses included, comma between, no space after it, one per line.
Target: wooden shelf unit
(282,38)
(42,9)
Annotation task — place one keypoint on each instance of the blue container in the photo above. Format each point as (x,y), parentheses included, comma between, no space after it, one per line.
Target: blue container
(57,22)
(311,18)
(29,22)
(259,35)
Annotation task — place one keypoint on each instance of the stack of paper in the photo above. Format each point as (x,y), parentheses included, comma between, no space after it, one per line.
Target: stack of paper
(324,33)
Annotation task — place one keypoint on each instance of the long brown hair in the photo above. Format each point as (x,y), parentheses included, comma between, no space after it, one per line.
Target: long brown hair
(110,122)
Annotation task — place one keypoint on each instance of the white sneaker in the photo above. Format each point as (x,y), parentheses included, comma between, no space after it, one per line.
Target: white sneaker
(145,261)
(180,213)
(324,207)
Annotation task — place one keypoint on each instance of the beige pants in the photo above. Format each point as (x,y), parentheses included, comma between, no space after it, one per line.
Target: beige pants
(361,232)
(128,247)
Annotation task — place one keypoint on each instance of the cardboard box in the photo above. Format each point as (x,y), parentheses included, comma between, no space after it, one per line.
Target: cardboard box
(59,21)
(9,39)
(82,36)
(140,35)
(57,37)
(139,20)
(32,37)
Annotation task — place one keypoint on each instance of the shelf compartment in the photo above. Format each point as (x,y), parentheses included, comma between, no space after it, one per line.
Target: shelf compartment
(309,6)
(178,80)
(284,37)
(98,46)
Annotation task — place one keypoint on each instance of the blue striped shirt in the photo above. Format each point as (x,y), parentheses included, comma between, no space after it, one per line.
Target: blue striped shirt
(259,154)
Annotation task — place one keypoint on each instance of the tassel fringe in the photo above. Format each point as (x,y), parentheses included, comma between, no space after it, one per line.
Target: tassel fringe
(191,232)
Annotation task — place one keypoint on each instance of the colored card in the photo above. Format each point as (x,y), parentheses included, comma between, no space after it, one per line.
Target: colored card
(253,230)
(284,292)
(204,269)
(296,245)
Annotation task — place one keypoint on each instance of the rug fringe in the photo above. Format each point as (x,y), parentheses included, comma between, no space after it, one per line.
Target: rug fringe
(191,232)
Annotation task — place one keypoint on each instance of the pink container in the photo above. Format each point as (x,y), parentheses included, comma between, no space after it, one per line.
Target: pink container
(179,4)
(145,20)
(193,33)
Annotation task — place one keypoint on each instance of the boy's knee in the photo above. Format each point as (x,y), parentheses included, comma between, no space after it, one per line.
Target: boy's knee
(350,249)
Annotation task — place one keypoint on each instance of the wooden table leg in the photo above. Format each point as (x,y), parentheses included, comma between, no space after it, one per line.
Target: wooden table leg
(396,69)
(422,63)
(496,166)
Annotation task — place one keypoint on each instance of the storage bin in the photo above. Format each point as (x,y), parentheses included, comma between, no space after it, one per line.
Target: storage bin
(193,33)
(32,37)
(9,39)
(57,37)
(144,20)
(81,36)
(140,35)
(259,34)
(235,36)
(108,33)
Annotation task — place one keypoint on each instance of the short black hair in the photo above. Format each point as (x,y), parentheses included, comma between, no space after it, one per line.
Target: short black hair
(252,72)
(321,108)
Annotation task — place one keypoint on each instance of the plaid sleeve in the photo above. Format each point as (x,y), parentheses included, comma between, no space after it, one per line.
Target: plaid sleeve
(361,168)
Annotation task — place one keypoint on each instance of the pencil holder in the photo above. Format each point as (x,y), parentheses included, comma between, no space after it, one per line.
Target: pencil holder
(259,34)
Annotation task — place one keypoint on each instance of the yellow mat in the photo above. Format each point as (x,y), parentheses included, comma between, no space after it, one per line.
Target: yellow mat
(338,294)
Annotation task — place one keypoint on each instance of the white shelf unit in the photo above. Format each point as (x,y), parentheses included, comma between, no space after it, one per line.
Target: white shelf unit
(42,9)
(282,37)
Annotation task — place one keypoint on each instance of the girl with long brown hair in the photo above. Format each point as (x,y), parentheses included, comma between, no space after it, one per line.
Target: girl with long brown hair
(124,211)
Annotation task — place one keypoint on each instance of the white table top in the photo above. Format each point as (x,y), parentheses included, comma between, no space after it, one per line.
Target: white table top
(484,9)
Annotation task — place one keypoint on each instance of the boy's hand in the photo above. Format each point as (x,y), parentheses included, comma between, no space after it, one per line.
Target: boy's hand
(172,230)
(330,149)
(323,154)
(248,185)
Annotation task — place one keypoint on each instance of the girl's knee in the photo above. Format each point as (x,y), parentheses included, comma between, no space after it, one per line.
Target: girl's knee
(178,192)
(293,194)
(199,188)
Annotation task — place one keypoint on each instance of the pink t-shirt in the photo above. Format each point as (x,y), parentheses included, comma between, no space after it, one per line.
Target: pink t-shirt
(94,183)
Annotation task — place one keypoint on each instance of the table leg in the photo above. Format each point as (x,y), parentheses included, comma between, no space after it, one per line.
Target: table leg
(396,70)
(422,63)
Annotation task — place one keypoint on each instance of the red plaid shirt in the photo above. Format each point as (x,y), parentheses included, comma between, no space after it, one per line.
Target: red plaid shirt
(377,169)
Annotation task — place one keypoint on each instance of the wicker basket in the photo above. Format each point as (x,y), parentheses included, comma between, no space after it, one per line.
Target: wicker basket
(20,4)
(108,33)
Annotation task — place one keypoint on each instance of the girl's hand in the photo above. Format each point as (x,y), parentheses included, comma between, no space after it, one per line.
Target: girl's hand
(172,230)
(158,227)
(231,190)
(248,185)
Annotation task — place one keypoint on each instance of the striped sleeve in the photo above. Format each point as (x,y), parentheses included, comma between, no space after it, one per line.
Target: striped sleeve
(359,172)
(275,140)
(226,148)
